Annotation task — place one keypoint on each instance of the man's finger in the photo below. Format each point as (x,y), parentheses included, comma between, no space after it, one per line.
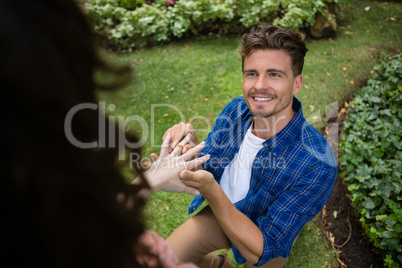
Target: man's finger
(191,191)
(178,131)
(185,175)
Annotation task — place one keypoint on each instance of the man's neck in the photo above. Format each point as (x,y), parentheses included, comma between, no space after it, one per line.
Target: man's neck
(267,127)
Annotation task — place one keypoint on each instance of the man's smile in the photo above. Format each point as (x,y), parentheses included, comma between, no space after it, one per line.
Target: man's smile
(260,99)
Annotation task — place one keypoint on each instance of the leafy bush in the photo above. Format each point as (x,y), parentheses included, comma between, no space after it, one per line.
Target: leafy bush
(131,23)
(371,157)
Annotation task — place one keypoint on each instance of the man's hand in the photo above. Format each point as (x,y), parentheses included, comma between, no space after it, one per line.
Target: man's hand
(163,174)
(177,133)
(201,180)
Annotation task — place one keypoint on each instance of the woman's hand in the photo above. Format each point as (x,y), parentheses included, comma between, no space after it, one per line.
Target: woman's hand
(177,132)
(163,174)
(160,253)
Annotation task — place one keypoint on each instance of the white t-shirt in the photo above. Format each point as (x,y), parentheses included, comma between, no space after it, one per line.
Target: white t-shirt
(235,180)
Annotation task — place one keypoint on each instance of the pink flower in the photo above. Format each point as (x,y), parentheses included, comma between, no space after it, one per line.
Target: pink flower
(170,2)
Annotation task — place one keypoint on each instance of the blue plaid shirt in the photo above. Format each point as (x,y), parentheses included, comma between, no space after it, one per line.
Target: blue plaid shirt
(291,179)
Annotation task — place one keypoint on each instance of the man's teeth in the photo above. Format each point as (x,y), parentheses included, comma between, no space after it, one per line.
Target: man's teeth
(262,99)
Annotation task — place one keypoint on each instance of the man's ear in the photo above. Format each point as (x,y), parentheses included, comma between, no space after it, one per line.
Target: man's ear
(297,84)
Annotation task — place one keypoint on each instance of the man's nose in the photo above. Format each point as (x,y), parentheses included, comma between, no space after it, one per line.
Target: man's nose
(262,82)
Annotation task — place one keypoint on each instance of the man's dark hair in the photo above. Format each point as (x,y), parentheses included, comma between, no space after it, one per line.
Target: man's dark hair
(274,37)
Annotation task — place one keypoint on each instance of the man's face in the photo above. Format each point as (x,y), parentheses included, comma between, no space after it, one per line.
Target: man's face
(268,83)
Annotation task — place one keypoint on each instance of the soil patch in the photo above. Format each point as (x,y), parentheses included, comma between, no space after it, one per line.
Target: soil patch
(339,221)
(346,233)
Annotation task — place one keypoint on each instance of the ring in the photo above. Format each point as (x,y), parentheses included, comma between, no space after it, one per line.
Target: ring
(178,145)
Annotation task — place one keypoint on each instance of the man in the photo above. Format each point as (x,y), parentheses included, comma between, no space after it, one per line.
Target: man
(270,171)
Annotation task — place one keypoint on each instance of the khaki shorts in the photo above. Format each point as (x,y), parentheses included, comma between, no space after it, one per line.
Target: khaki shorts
(195,239)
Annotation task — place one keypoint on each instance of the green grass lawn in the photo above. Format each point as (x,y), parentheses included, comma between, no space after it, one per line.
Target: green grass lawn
(192,80)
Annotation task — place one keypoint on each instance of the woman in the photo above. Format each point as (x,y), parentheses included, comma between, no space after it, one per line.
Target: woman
(64,206)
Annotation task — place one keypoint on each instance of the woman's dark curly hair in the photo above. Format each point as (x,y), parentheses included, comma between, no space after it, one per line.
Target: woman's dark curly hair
(58,201)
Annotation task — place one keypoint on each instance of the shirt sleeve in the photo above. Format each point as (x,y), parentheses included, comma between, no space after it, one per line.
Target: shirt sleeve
(220,137)
(292,210)
(214,144)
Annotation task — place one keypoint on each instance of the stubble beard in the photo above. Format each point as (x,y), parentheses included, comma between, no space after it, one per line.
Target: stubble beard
(270,113)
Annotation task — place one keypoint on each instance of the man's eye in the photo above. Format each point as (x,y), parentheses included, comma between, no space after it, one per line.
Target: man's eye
(274,75)
(251,74)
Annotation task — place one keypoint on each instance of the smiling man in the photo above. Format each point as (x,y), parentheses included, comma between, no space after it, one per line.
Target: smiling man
(270,171)
(268,88)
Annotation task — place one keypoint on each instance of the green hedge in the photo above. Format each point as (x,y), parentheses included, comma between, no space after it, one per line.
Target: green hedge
(127,24)
(371,157)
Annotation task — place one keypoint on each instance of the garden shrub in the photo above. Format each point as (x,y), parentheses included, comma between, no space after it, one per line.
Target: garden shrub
(371,157)
(131,23)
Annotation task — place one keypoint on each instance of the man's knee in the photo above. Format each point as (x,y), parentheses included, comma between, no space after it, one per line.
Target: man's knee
(198,236)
